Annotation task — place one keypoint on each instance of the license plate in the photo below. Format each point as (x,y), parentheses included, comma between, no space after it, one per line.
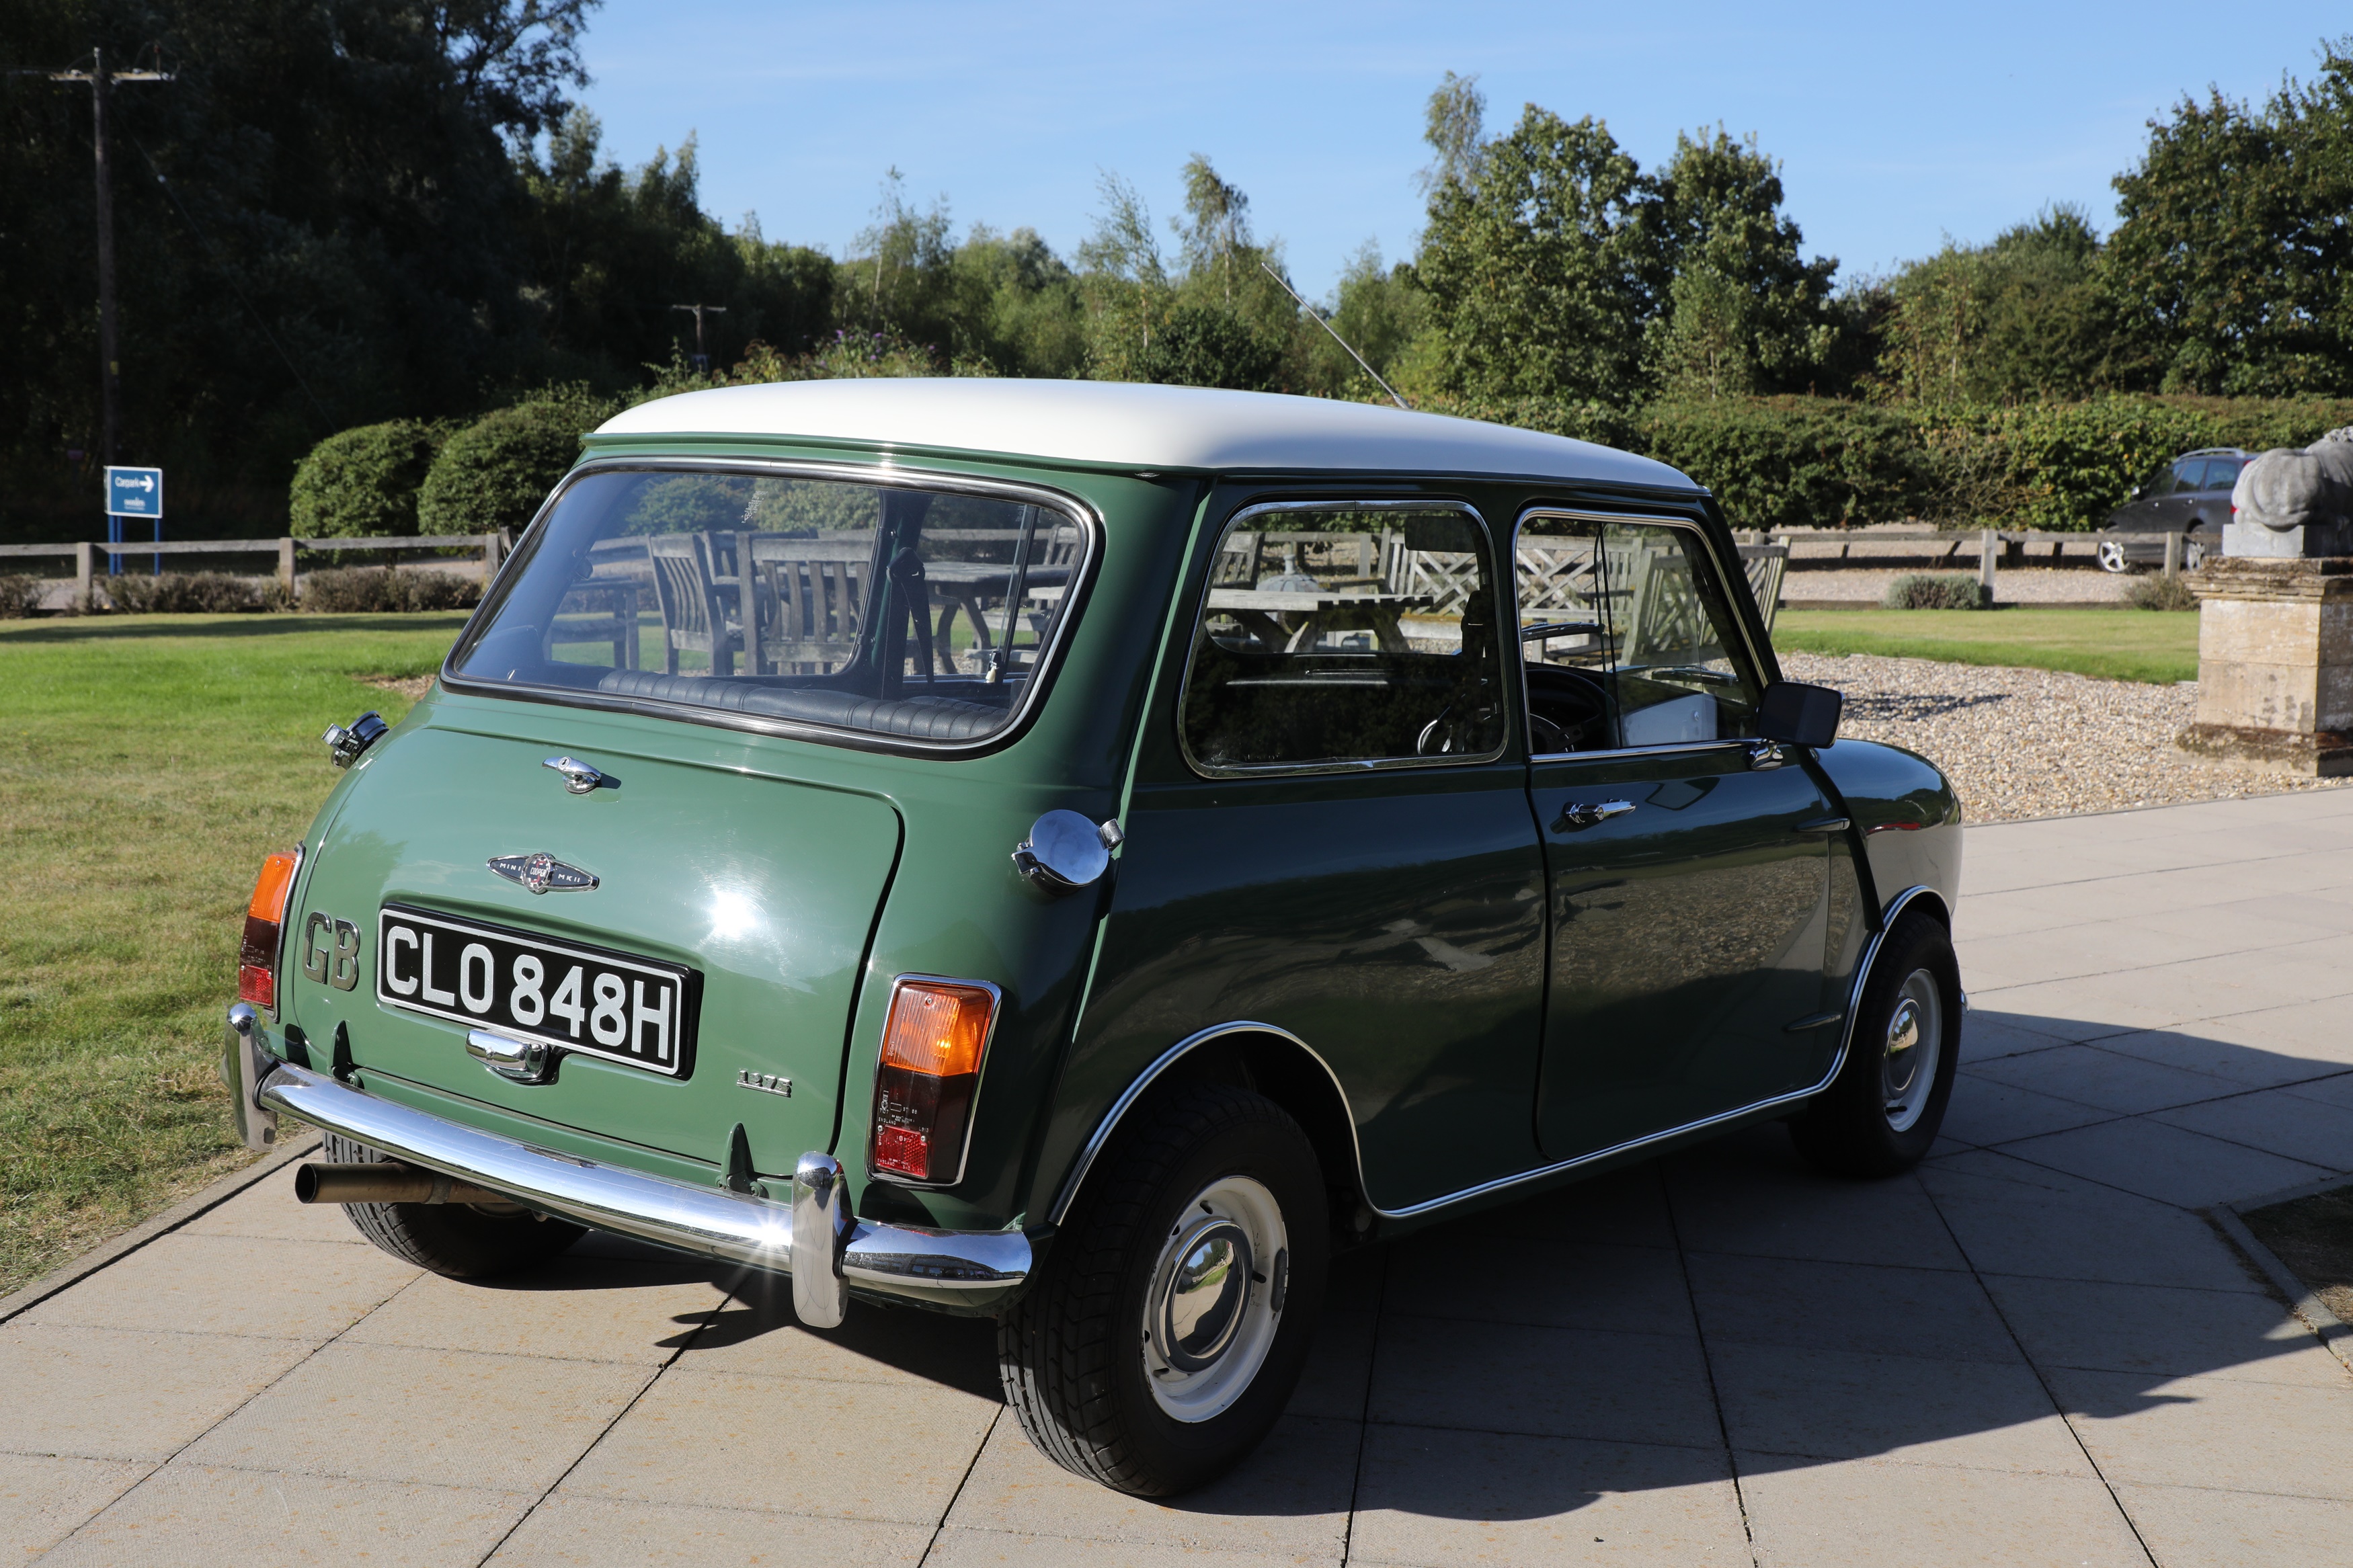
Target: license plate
(609,1004)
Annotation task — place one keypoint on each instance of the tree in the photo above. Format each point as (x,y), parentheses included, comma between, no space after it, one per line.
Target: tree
(1746,312)
(1543,271)
(2232,267)
(341,195)
(2023,317)
(1219,226)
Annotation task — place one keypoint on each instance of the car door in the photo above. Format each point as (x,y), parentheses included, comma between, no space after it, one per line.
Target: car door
(1334,839)
(1686,862)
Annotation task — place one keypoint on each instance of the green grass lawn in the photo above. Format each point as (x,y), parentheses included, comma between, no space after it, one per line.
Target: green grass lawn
(2155,645)
(147,764)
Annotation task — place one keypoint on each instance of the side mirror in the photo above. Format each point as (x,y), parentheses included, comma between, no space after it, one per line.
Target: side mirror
(1794,714)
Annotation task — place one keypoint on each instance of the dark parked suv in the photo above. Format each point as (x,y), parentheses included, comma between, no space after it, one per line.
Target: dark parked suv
(2190,494)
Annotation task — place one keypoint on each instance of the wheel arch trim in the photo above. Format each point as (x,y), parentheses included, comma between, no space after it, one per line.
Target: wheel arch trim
(1110,1120)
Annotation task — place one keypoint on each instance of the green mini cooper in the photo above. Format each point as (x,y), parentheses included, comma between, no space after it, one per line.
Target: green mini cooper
(1080,854)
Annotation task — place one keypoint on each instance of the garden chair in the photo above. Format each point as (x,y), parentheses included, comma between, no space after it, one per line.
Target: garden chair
(695,614)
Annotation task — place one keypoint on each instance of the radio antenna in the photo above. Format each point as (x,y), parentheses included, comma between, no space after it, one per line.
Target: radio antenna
(1316,316)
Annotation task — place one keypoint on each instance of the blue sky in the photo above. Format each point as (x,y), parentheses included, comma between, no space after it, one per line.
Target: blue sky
(1895,126)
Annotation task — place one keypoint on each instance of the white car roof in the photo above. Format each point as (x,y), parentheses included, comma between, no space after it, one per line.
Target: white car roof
(1123,425)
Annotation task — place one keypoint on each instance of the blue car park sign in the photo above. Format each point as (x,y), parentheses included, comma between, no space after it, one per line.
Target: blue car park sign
(135,492)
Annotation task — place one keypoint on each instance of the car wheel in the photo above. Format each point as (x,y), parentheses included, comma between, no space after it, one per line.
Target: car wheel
(463,1241)
(2112,555)
(1880,1115)
(1168,1324)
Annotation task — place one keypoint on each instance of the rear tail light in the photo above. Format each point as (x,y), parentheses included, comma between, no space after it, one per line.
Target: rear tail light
(933,1042)
(265,926)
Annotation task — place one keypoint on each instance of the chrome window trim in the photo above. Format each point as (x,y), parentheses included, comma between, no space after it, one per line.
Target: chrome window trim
(1305,770)
(1168,1058)
(885,474)
(979,1079)
(1654,519)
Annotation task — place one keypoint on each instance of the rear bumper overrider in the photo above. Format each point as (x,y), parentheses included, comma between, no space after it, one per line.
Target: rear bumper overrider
(815,1238)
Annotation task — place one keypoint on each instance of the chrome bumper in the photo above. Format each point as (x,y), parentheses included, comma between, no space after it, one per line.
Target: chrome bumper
(837,1249)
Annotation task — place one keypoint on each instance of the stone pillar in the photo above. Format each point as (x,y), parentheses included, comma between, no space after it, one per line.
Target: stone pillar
(2275,664)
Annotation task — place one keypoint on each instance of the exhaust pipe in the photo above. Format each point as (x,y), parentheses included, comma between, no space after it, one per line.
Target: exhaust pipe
(385,1181)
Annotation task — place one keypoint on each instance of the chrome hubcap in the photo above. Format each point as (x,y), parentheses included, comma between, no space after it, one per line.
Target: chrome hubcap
(1203,1308)
(1912,1049)
(1210,1313)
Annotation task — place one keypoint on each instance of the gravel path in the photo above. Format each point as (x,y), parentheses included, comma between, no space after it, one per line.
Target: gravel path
(2030,743)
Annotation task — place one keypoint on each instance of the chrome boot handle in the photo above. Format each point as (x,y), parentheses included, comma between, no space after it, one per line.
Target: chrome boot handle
(579,778)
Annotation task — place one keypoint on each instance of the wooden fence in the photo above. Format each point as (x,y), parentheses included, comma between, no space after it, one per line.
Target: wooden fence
(84,553)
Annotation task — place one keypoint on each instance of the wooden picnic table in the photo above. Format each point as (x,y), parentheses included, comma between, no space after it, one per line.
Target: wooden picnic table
(1264,611)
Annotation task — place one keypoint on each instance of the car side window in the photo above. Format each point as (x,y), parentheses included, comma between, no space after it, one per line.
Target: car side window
(2221,473)
(2188,474)
(1340,636)
(1627,638)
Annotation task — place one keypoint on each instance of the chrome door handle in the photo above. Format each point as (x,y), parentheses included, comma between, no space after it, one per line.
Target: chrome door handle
(1578,814)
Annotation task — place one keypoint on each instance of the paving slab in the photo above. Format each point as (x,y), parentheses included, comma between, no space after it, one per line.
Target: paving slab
(2251,1050)
(272,1289)
(2172,1164)
(109,1394)
(2014,1217)
(2104,1080)
(723,1439)
(569,1531)
(959,1548)
(1751,1197)
(1866,1308)
(193,1515)
(1440,1499)
(1553,1383)
(1289,1499)
(268,1209)
(1870,1514)
(2200,1527)
(2176,1332)
(2296,1127)
(1984,1112)
(1554,1284)
(438,1418)
(1839,1404)
(2223,1432)
(43,1499)
(570,1309)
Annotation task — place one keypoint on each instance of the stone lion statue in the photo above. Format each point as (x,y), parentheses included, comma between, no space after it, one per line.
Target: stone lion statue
(2289,489)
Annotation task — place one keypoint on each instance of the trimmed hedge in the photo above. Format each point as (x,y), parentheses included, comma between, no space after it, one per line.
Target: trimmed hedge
(19,597)
(374,590)
(187,593)
(495,473)
(1816,462)
(364,481)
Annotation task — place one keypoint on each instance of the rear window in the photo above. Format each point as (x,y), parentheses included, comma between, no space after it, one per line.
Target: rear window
(921,614)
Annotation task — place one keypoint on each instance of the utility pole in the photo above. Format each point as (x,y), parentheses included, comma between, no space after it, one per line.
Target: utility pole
(109,382)
(701,359)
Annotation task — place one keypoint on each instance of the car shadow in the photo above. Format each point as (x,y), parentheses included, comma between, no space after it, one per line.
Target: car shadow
(1725,1305)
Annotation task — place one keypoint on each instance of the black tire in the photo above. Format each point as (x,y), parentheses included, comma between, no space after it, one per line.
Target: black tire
(1877,1118)
(1072,1352)
(458,1240)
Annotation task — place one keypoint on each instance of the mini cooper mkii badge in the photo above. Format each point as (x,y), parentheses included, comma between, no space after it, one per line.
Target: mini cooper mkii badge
(542,873)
